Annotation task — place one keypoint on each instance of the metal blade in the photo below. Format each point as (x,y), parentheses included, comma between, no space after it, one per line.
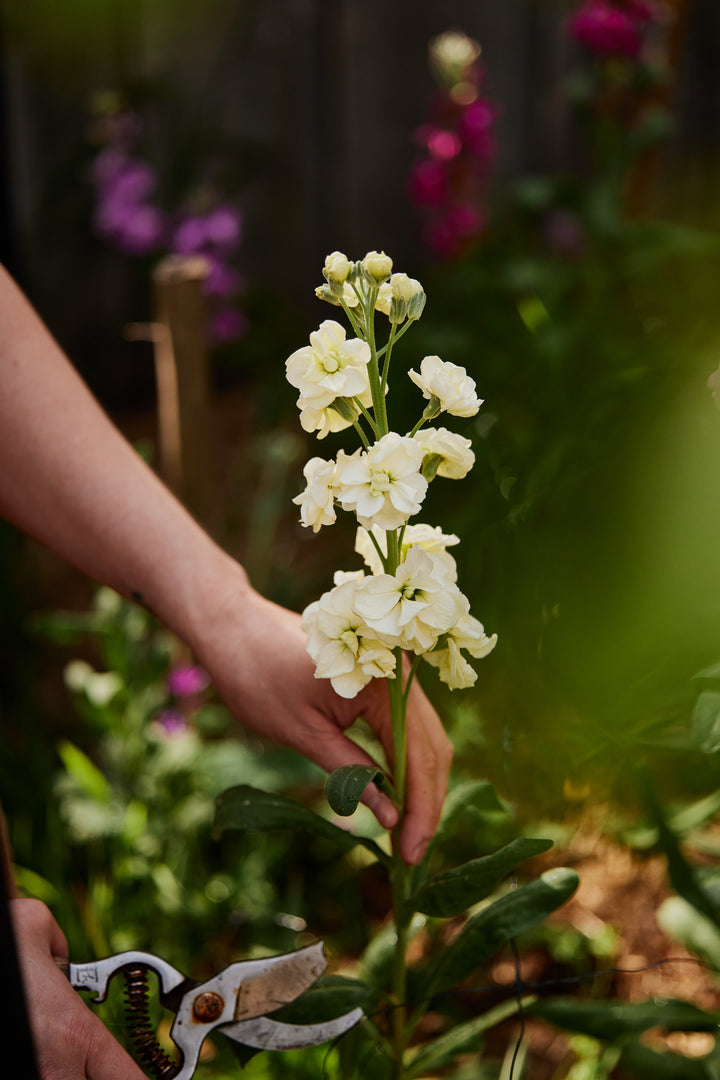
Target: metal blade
(264,1034)
(278,981)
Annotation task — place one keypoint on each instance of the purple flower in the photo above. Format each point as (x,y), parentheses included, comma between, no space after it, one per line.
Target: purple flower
(223,226)
(190,236)
(606,30)
(186,680)
(223,280)
(171,722)
(563,233)
(228,325)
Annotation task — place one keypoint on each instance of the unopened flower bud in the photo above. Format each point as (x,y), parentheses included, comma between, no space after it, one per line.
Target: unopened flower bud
(335,271)
(324,292)
(377,267)
(346,408)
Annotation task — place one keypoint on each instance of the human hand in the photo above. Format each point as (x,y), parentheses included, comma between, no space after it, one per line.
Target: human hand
(71,1043)
(255,651)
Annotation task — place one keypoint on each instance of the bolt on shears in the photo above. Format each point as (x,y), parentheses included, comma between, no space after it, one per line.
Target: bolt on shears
(236,1002)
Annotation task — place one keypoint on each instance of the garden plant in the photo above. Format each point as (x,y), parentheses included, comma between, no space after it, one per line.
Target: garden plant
(408,604)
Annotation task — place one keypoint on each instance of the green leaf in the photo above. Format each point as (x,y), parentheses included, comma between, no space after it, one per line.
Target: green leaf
(245,808)
(456,890)
(711,673)
(706,721)
(345,786)
(639,1060)
(463,1039)
(85,774)
(474,796)
(330,997)
(683,876)
(680,920)
(493,927)
(613,1020)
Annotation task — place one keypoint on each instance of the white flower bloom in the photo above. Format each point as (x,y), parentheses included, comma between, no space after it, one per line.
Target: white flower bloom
(454,451)
(384,298)
(321,420)
(343,648)
(430,538)
(453,668)
(383,485)
(317,502)
(449,384)
(341,576)
(329,367)
(411,608)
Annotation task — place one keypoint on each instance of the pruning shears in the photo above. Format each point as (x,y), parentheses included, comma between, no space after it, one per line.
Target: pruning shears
(236,1002)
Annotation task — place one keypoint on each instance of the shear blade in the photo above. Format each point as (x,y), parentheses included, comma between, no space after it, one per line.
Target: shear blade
(265,1034)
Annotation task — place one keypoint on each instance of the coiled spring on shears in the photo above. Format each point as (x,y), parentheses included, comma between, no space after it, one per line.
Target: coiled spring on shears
(140,1026)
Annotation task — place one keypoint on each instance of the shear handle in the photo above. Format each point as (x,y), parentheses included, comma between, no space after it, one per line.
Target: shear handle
(96,975)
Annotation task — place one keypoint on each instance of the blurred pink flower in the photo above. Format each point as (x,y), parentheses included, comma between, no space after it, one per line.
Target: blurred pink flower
(475,128)
(171,722)
(449,235)
(608,29)
(186,680)
(429,182)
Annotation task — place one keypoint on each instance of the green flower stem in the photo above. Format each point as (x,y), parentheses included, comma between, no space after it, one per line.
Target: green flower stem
(388,354)
(361,433)
(399,334)
(367,415)
(376,387)
(399,870)
(351,316)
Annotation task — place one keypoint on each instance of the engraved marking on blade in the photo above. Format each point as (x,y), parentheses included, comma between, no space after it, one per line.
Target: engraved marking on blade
(265,992)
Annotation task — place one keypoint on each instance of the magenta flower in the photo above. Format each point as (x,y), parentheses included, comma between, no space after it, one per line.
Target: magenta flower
(186,680)
(608,30)
(429,182)
(171,722)
(476,129)
(450,235)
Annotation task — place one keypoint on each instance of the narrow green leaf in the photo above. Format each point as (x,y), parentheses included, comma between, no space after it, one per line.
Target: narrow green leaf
(641,1061)
(493,927)
(474,796)
(84,772)
(683,876)
(345,786)
(613,1020)
(463,1039)
(245,808)
(456,890)
(711,673)
(706,722)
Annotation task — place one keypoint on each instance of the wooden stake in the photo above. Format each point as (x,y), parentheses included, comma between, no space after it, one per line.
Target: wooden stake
(182,373)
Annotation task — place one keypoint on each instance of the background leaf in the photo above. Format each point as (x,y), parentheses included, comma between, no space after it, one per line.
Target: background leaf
(613,1020)
(706,721)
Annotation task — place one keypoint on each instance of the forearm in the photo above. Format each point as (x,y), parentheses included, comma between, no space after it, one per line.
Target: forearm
(70,479)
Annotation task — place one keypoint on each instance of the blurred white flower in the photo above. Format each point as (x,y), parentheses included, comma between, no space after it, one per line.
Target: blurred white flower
(316,502)
(453,667)
(449,384)
(383,485)
(412,607)
(343,648)
(451,454)
(329,367)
